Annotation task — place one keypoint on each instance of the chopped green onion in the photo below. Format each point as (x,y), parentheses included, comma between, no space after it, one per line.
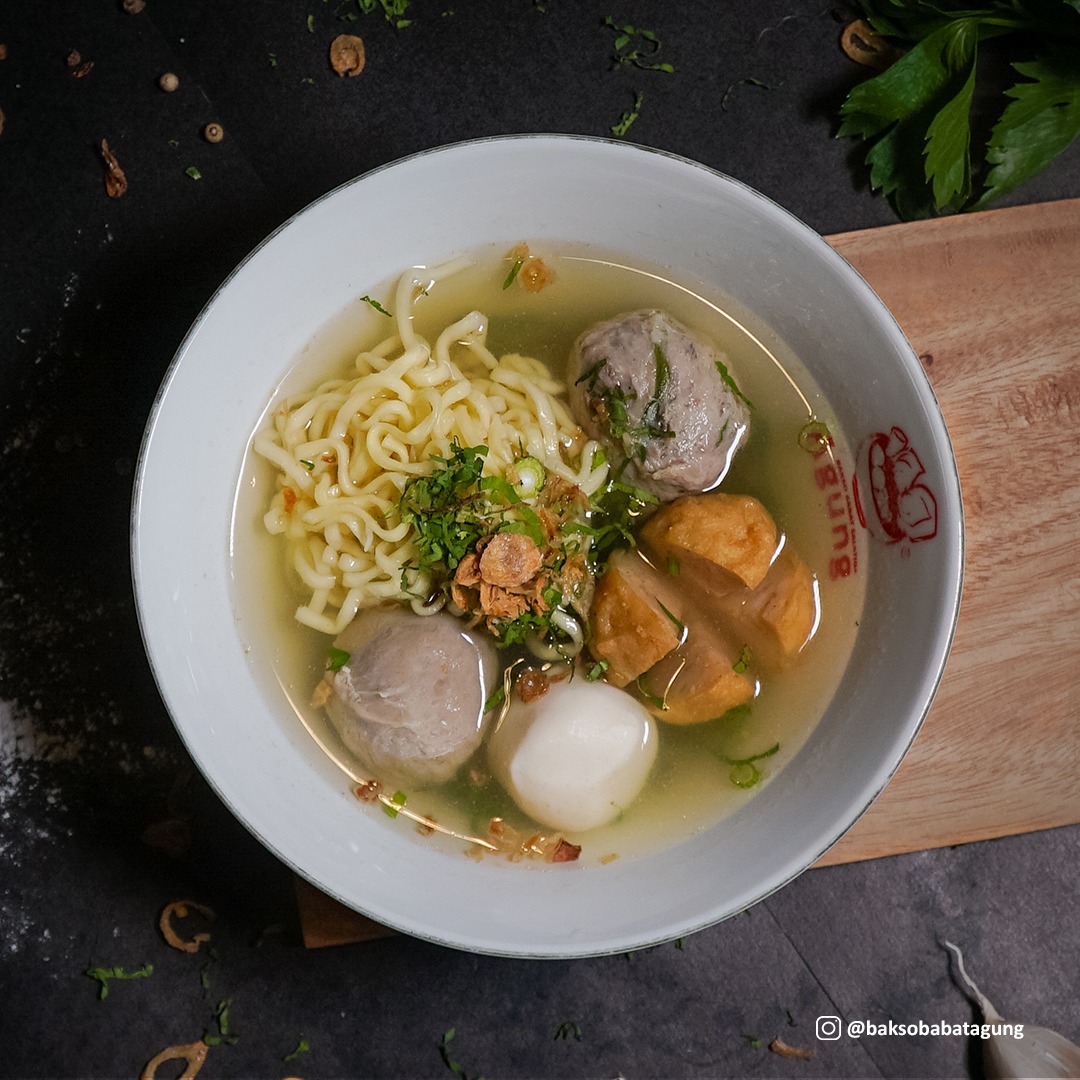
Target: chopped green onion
(744,773)
(398,799)
(193,172)
(309,465)
(495,700)
(597,670)
(743,661)
(531,476)
(815,437)
(672,566)
(336,659)
(518,264)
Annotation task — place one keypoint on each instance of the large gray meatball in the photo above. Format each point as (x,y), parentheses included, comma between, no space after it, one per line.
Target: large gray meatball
(409,701)
(650,388)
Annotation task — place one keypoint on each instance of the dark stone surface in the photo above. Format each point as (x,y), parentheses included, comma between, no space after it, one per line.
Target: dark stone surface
(96,296)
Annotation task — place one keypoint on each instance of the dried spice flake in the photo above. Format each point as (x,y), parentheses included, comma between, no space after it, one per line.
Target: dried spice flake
(347,55)
(3,51)
(863,44)
(133,7)
(115,180)
(193,1053)
(179,909)
(778,1046)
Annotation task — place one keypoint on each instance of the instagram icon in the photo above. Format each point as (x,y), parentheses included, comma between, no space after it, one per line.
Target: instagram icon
(828,1027)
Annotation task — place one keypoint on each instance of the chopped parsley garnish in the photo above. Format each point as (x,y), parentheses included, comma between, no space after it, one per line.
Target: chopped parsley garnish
(495,701)
(730,383)
(105,974)
(376,305)
(612,517)
(743,662)
(443,508)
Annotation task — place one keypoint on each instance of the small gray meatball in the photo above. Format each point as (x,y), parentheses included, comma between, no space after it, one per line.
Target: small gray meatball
(409,701)
(649,387)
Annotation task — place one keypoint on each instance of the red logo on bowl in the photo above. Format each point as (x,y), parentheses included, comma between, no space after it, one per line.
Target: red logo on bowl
(903,507)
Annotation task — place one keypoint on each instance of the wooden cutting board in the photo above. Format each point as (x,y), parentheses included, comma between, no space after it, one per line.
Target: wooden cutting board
(991,302)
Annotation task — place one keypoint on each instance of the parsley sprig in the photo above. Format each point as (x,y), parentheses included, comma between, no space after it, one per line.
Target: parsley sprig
(916,115)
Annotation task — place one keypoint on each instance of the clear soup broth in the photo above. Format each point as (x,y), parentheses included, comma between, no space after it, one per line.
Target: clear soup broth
(696,780)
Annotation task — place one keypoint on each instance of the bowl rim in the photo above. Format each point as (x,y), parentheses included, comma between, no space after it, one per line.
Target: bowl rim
(950,603)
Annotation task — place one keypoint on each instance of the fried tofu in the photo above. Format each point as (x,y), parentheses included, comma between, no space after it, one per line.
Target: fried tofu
(628,627)
(726,541)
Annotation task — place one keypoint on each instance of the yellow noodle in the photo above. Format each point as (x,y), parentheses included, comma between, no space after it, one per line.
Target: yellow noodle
(345,452)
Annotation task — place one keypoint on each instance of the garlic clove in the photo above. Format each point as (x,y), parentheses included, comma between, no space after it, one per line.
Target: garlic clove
(1041,1054)
(1020,1052)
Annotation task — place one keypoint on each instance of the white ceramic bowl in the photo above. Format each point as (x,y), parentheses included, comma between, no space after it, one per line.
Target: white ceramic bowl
(423,210)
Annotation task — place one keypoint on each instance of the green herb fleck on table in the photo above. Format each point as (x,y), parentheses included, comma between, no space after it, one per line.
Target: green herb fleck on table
(104,975)
(454,1066)
(302,1047)
(393,11)
(193,172)
(311,24)
(747,80)
(224,1035)
(623,126)
(568,1029)
(636,47)
(915,116)
(753,1040)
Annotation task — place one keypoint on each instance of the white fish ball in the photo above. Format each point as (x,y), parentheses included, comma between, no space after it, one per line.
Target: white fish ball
(575,757)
